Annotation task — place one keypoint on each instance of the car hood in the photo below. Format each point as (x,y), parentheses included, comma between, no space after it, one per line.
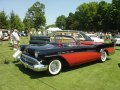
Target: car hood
(41,47)
(31,49)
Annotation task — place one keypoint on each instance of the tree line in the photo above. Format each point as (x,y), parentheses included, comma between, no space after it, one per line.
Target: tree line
(92,16)
(34,18)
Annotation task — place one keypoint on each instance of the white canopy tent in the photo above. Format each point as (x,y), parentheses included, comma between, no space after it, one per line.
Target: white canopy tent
(53,29)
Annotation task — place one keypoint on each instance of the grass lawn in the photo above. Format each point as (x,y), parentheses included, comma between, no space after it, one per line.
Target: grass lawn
(91,76)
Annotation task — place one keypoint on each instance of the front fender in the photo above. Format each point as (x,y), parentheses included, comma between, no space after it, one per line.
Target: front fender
(22,47)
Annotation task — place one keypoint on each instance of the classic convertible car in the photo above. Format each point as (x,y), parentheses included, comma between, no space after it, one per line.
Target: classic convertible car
(64,51)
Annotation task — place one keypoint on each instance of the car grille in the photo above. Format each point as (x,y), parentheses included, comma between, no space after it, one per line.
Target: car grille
(29,60)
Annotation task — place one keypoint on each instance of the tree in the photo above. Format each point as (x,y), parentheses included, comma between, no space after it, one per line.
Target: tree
(69,21)
(116,3)
(116,14)
(61,22)
(15,22)
(26,23)
(93,16)
(3,21)
(101,17)
(81,15)
(36,15)
(74,25)
(85,14)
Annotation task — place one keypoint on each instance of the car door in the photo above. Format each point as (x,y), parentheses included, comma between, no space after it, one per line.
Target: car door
(75,58)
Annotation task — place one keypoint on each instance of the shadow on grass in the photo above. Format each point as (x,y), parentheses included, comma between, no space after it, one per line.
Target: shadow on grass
(10,45)
(119,65)
(108,59)
(29,72)
(35,75)
(117,49)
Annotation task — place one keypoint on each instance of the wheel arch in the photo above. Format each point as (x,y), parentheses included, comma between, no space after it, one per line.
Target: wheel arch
(106,51)
(63,60)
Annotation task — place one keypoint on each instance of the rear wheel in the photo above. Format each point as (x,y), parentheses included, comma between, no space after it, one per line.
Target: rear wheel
(54,67)
(103,55)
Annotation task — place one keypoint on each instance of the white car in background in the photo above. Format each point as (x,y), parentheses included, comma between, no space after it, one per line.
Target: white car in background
(95,38)
(117,37)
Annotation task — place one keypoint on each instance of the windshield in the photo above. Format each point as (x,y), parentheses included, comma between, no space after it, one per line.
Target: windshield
(65,40)
(87,38)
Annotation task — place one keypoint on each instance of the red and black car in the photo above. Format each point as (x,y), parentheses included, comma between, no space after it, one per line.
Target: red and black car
(64,51)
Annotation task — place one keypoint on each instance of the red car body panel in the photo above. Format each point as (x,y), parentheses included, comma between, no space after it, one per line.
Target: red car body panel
(110,50)
(80,57)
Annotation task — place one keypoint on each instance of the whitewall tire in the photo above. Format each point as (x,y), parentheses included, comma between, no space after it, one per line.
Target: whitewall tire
(103,55)
(54,67)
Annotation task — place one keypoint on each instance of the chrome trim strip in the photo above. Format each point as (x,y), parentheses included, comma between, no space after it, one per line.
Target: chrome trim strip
(31,58)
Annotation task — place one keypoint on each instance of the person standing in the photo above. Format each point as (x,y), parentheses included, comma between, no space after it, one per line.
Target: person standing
(16,39)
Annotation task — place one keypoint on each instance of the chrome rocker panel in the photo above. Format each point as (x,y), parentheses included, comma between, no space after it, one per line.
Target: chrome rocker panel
(36,67)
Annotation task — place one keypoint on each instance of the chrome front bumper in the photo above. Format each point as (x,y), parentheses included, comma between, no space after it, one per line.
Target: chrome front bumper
(37,66)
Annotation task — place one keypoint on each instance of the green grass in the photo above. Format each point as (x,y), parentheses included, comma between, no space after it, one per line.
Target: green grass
(92,76)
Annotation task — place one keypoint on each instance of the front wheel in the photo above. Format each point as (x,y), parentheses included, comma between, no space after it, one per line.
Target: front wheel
(103,55)
(54,67)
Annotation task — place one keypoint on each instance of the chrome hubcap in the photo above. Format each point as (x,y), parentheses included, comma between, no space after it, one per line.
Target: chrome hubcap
(55,66)
(103,55)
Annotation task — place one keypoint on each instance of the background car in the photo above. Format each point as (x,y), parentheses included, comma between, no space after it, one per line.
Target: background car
(5,34)
(117,38)
(95,38)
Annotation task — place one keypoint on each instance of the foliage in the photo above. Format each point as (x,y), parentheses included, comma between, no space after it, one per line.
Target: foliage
(26,23)
(116,14)
(61,22)
(69,21)
(101,16)
(35,15)
(95,16)
(86,13)
(3,20)
(15,22)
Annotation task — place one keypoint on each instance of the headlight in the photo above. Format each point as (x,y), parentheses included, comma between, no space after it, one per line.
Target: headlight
(36,54)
